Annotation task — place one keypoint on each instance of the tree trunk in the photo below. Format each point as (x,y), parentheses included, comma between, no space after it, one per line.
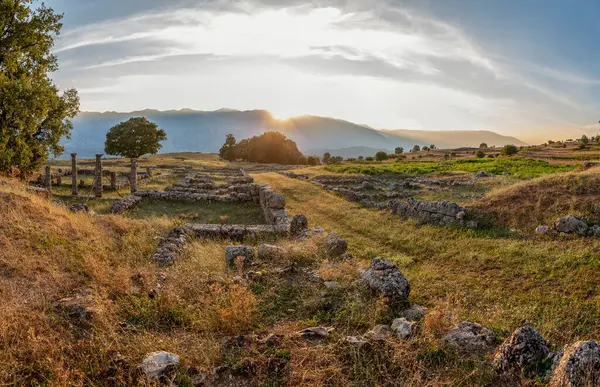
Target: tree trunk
(133,176)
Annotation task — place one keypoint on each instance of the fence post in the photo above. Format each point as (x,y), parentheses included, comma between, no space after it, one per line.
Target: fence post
(98,182)
(74,190)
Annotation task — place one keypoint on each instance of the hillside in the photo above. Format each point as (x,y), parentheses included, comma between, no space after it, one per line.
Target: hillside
(199,131)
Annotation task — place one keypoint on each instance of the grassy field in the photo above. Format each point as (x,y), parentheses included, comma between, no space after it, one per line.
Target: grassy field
(523,168)
(495,277)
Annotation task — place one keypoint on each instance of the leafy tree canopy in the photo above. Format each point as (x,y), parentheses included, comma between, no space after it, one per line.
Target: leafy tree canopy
(34,114)
(509,150)
(380,156)
(227,151)
(134,138)
(269,147)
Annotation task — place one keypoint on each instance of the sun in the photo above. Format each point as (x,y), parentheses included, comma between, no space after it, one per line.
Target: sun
(280,115)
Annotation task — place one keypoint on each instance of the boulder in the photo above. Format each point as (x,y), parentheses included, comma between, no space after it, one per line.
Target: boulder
(578,366)
(269,252)
(521,352)
(469,337)
(402,328)
(380,333)
(156,364)
(482,174)
(232,252)
(335,245)
(298,225)
(571,225)
(275,201)
(384,278)
(542,229)
(414,313)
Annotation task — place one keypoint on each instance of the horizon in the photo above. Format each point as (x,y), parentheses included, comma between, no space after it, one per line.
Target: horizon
(385,64)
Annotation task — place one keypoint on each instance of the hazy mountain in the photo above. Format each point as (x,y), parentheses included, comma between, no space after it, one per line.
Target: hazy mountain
(199,131)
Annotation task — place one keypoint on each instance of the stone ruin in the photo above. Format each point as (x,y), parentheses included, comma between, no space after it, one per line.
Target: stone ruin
(438,213)
(572,225)
(240,188)
(371,192)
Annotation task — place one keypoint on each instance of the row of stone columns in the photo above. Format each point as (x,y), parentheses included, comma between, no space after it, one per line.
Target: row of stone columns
(98,187)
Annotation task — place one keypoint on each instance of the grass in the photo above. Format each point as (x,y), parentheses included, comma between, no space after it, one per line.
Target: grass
(226,213)
(523,168)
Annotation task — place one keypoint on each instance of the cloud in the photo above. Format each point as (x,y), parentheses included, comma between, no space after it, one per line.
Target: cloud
(324,44)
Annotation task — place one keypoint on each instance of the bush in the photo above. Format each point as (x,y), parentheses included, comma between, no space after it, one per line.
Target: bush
(269,147)
(312,160)
(381,156)
(480,154)
(302,160)
(509,150)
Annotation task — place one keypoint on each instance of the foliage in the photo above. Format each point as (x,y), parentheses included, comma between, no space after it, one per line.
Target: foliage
(312,160)
(416,148)
(34,115)
(480,154)
(519,167)
(483,145)
(380,156)
(509,150)
(584,139)
(134,138)
(227,151)
(269,147)
(302,160)
(326,157)
(399,150)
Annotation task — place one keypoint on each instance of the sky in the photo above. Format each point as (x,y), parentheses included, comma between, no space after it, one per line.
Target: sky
(527,68)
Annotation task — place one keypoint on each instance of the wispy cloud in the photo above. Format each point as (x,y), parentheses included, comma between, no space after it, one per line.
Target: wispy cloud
(322,43)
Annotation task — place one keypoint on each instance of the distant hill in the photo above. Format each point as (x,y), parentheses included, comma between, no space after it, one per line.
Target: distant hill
(201,131)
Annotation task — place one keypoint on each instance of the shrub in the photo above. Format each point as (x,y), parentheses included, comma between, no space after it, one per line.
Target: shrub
(380,156)
(509,150)
(312,160)
(480,154)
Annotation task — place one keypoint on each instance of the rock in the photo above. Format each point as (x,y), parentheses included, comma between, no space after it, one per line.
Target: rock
(335,245)
(355,341)
(414,313)
(482,174)
(269,252)
(275,201)
(331,284)
(380,333)
(403,328)
(367,185)
(578,366)
(521,352)
(571,225)
(298,225)
(232,252)
(384,278)
(542,229)
(470,337)
(315,333)
(156,364)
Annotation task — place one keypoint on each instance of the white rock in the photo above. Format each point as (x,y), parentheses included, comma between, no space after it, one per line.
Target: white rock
(155,363)
(403,328)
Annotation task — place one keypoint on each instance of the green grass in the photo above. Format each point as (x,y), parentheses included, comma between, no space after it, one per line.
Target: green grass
(523,168)
(226,213)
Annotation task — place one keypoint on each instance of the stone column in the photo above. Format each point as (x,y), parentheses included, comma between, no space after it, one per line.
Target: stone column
(133,176)
(74,190)
(59,176)
(113,180)
(98,174)
(48,179)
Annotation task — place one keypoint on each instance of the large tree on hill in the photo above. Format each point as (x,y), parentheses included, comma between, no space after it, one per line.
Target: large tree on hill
(227,151)
(34,114)
(132,139)
(269,147)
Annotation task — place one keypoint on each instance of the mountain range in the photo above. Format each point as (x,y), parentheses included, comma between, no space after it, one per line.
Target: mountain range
(205,131)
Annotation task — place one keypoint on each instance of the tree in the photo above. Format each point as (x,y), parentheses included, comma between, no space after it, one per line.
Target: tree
(416,148)
(132,139)
(302,160)
(480,154)
(483,145)
(509,150)
(584,139)
(269,147)
(34,114)
(380,156)
(227,151)
(312,160)
(360,158)
(425,149)
(326,157)
(399,150)
(432,147)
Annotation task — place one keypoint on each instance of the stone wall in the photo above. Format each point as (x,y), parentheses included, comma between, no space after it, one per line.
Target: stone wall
(438,213)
